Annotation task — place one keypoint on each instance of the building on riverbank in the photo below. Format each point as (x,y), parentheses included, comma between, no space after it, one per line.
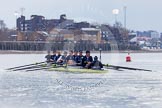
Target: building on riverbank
(64,30)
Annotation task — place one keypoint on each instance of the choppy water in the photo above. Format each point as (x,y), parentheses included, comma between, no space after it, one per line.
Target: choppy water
(116,89)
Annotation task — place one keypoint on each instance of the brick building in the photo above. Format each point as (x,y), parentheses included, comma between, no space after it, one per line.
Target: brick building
(39,23)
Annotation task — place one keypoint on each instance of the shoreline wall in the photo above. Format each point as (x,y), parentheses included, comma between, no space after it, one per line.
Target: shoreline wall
(44,46)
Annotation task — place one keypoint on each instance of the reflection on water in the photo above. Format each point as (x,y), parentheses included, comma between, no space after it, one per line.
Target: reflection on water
(119,89)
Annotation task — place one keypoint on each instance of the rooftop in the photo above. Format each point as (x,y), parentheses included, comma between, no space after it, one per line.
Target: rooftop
(90,29)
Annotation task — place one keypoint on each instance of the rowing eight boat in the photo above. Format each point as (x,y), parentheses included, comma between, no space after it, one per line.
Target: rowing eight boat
(77,70)
(67,68)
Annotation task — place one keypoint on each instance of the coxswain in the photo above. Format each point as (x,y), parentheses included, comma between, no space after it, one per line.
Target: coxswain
(96,64)
(128,58)
(79,58)
(87,60)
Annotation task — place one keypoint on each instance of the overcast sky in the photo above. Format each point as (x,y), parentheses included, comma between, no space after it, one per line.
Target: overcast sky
(141,14)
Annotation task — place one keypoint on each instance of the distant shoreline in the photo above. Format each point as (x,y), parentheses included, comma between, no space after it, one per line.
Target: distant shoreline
(44,52)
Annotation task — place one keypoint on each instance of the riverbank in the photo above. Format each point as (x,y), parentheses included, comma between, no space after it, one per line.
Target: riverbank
(44,52)
(21,52)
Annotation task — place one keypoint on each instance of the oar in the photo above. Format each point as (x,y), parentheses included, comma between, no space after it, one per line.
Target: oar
(36,66)
(129,68)
(42,68)
(24,68)
(25,65)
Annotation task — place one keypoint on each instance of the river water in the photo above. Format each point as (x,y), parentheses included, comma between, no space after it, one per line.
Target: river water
(115,89)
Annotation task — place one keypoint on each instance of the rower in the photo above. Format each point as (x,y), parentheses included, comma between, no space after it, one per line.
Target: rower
(62,59)
(128,58)
(87,60)
(79,58)
(70,58)
(58,55)
(75,55)
(96,64)
(53,57)
(48,57)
